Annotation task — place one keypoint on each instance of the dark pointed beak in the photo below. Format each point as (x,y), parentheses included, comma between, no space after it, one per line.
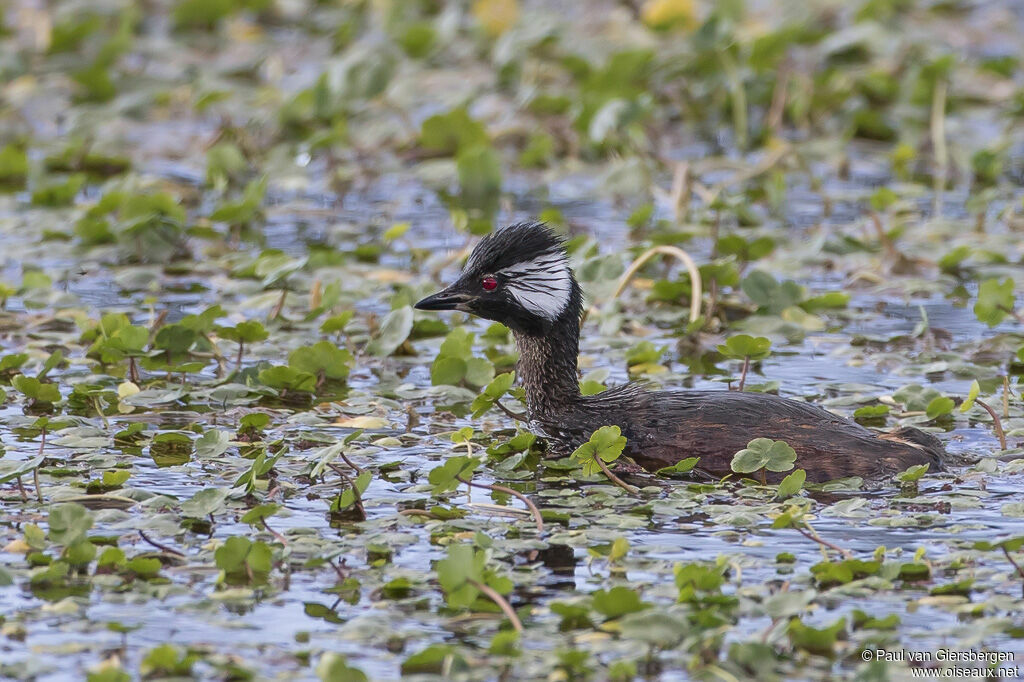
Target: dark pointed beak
(443,300)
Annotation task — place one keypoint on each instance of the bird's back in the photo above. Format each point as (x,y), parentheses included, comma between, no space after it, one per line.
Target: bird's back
(664,427)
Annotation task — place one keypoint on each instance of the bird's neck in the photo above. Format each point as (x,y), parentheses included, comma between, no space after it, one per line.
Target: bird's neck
(547,368)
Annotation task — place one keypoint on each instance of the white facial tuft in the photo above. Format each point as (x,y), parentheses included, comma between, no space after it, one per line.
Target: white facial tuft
(541,285)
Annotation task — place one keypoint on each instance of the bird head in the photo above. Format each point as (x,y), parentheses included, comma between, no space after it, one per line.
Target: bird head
(518,275)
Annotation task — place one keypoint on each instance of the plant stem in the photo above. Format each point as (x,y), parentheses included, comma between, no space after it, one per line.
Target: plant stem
(778,106)
(631,489)
(358,504)
(1013,313)
(1009,557)
(133,370)
(514,493)
(341,453)
(691,267)
(680,197)
(738,97)
(883,238)
(996,422)
(743,373)
(1006,396)
(341,569)
(156,544)
(813,535)
(238,360)
(35,472)
(502,603)
(276,310)
(938,132)
(418,512)
(517,417)
(277,536)
(99,412)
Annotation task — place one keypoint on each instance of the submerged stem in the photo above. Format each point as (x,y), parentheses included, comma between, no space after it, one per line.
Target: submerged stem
(743,373)
(996,422)
(502,603)
(813,535)
(537,518)
(631,489)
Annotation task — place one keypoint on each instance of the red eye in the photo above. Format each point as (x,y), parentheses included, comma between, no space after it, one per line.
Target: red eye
(489,283)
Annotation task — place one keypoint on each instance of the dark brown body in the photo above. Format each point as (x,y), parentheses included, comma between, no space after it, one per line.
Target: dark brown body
(662,428)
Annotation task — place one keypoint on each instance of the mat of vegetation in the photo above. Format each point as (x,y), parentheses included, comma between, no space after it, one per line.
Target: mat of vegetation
(232,450)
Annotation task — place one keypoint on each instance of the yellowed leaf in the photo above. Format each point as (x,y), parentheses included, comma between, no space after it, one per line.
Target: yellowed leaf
(389,276)
(496,16)
(126,389)
(665,15)
(17,546)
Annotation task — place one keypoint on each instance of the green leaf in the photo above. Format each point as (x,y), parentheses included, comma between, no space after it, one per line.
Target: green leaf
(115,479)
(167,660)
(745,346)
(455,573)
(770,295)
(13,165)
(479,170)
(254,422)
(21,468)
(913,473)
(683,466)
(348,497)
(882,199)
(112,557)
(479,371)
(69,522)
(288,378)
(35,390)
(607,443)
(447,370)
(871,412)
(204,503)
(972,395)
(995,300)
(60,193)
(617,602)
(256,515)
(393,332)
(336,323)
(81,553)
(249,331)
(213,443)
(444,478)
(144,567)
(916,398)
(322,358)
(791,484)
(333,667)
(831,573)
(764,453)
(239,558)
(451,132)
(819,641)
(497,388)
(939,406)
(436,659)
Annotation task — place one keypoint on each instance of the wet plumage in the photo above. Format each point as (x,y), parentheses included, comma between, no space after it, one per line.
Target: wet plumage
(538,298)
